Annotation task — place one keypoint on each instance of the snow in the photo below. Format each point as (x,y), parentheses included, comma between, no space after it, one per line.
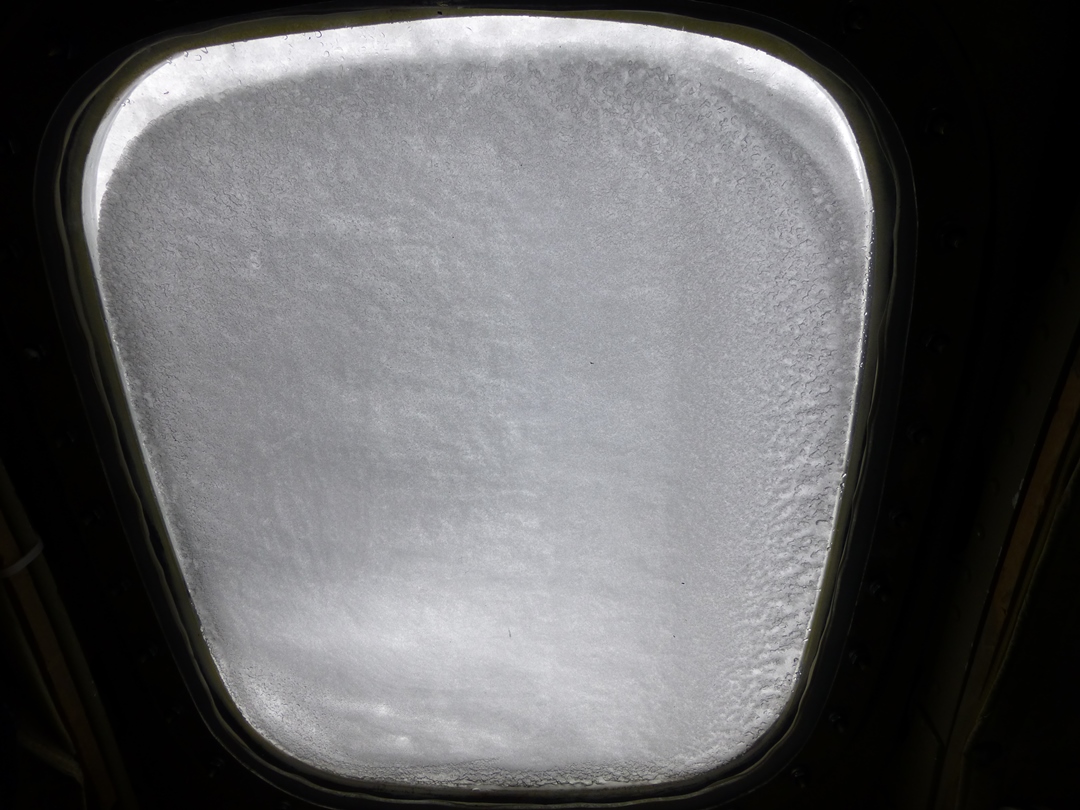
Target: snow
(495,375)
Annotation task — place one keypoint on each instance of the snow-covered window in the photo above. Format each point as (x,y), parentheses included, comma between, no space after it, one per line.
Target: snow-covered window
(496,378)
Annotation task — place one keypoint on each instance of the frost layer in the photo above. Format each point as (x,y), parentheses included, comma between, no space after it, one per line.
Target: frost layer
(495,376)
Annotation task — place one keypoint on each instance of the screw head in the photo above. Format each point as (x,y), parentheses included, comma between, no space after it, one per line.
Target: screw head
(174,712)
(939,122)
(918,432)
(936,342)
(986,752)
(120,587)
(856,17)
(879,590)
(35,353)
(859,658)
(90,518)
(951,238)
(900,517)
(838,722)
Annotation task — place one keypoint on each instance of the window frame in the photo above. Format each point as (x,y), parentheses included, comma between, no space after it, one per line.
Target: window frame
(71,280)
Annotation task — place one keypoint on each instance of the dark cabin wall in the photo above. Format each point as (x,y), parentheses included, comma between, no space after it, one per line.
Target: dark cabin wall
(981,93)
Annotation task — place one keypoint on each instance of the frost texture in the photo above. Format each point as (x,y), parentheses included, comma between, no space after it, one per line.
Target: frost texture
(495,377)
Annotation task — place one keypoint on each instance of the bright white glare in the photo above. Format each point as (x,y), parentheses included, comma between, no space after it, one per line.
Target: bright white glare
(495,376)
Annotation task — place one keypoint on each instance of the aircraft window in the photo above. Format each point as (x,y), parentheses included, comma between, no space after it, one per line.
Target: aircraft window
(496,378)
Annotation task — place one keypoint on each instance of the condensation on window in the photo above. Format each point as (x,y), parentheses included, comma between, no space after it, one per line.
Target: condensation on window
(495,376)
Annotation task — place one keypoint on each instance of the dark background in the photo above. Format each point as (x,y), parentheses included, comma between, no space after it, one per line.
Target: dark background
(956,687)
